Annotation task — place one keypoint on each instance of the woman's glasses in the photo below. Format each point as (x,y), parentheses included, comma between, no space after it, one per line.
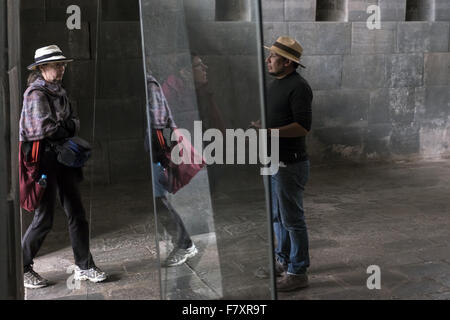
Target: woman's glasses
(60,64)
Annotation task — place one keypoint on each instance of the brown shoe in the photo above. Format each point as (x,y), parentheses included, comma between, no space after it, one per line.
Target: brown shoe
(291,282)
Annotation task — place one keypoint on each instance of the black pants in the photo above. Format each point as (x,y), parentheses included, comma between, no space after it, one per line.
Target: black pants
(65,180)
(171,221)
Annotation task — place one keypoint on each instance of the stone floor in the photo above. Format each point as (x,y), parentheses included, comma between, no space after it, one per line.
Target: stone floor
(395,216)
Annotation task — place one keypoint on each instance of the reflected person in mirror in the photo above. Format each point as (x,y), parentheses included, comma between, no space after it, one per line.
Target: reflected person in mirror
(161,118)
(191,78)
(188,89)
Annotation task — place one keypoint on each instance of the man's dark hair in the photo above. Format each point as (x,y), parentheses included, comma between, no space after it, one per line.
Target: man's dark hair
(294,64)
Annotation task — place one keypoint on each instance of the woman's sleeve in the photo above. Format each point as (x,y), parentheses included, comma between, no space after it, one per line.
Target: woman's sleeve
(68,128)
(36,120)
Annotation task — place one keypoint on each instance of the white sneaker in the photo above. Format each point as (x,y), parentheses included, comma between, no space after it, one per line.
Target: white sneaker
(93,274)
(32,280)
(179,256)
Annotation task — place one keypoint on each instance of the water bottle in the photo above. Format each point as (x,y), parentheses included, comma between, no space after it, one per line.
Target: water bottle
(43,181)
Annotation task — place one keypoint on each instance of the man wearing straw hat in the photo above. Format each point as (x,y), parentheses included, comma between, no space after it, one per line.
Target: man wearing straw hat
(289,99)
(48,118)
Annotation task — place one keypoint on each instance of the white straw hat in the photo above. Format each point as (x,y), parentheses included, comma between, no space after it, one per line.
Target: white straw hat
(48,54)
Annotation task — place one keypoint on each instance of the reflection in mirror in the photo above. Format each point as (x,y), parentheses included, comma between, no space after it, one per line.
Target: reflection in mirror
(202,81)
(121,204)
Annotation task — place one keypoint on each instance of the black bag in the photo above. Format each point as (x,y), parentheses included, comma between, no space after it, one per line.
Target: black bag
(74,152)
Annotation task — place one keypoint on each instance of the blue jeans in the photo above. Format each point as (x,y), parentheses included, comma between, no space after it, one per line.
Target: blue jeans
(288,214)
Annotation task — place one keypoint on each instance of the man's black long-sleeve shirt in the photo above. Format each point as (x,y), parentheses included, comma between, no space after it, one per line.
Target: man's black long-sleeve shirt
(289,100)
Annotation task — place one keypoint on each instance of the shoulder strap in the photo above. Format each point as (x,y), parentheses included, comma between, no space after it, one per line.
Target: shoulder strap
(35,151)
(161,140)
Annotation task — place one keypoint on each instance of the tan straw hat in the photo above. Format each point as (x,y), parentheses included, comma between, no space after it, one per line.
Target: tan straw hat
(288,48)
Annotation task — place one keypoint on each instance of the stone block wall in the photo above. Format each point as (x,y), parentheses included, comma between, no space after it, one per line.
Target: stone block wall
(379,94)
(114,87)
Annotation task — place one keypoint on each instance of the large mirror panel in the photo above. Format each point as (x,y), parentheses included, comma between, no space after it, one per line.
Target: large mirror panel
(203,85)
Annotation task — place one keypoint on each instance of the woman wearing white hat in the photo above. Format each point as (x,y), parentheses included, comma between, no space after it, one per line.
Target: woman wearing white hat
(47,117)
